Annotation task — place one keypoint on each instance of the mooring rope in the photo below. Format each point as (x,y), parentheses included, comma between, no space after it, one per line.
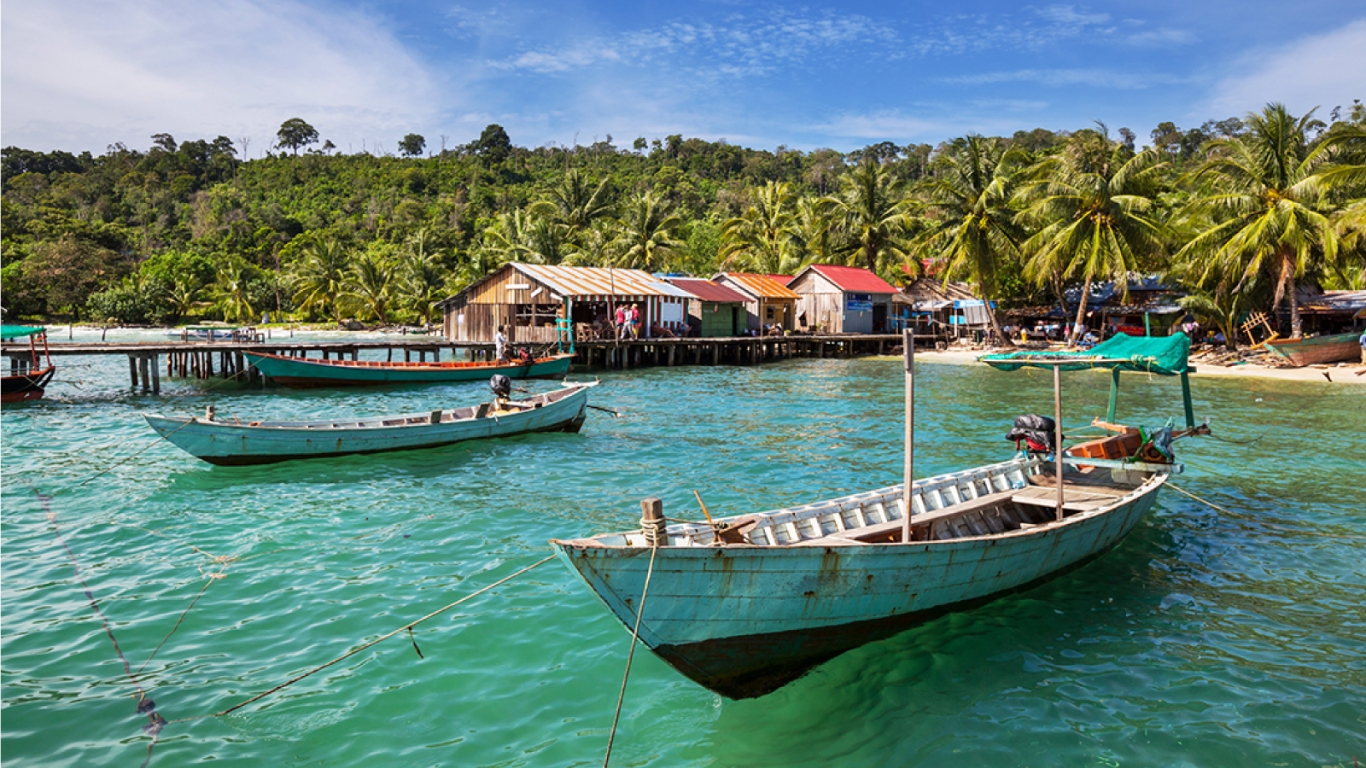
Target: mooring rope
(406,627)
(635,634)
(1231,513)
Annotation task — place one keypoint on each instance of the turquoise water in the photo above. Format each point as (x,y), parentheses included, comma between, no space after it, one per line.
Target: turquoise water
(1206,639)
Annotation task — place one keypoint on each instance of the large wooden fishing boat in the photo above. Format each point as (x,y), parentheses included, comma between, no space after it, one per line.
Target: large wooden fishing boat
(1315,350)
(267,442)
(302,372)
(28,377)
(743,605)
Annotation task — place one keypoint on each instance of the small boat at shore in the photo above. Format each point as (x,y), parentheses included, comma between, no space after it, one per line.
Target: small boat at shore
(744,605)
(233,443)
(303,372)
(27,378)
(1315,350)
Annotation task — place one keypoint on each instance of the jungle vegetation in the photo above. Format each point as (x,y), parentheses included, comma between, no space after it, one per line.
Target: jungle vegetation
(1239,211)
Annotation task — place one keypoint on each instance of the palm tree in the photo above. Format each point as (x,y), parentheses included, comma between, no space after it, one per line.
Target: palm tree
(527,236)
(369,287)
(232,291)
(576,202)
(970,221)
(1260,196)
(816,229)
(648,233)
(1096,215)
(873,216)
(184,296)
(422,276)
(765,237)
(319,278)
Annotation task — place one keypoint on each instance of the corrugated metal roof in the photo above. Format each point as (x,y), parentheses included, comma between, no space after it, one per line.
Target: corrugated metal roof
(762,286)
(706,290)
(780,279)
(853,279)
(670,289)
(594,281)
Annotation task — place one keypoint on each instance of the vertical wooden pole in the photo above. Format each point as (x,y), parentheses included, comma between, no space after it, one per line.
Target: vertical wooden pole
(909,341)
(1057,432)
(1114,395)
(1186,399)
(155,365)
(133,370)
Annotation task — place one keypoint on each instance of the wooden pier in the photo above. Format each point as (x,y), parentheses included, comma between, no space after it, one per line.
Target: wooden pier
(206,359)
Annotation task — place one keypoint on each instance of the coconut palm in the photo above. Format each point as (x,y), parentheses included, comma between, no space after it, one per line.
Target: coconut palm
(1260,197)
(970,221)
(528,237)
(647,239)
(320,277)
(422,277)
(874,217)
(576,202)
(816,229)
(232,291)
(765,237)
(1096,214)
(369,288)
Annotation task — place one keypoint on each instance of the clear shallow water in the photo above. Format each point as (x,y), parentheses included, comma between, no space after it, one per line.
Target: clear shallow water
(1205,639)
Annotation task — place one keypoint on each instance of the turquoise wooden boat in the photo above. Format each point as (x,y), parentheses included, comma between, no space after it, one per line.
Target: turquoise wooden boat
(267,442)
(303,372)
(744,605)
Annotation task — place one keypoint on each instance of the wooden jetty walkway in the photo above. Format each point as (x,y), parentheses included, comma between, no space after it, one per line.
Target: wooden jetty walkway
(224,358)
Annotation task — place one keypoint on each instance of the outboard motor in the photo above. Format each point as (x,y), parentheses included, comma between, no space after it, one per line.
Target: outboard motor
(1035,432)
(501,386)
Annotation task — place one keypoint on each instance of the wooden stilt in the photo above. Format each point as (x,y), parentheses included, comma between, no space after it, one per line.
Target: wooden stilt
(908,345)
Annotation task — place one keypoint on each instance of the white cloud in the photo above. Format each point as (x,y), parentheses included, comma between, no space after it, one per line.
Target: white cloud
(80,75)
(1322,70)
(1099,78)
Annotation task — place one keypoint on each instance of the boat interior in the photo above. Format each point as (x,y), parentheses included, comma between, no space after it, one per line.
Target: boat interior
(483,410)
(1018,495)
(410,365)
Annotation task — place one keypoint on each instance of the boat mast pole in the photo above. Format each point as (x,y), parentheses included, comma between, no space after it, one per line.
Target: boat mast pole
(1057,431)
(908,347)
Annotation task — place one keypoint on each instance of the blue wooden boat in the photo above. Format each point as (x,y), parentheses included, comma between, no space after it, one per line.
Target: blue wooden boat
(302,372)
(267,442)
(743,605)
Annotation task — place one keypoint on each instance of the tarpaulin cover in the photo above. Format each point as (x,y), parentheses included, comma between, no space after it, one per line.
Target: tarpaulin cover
(8,332)
(1165,355)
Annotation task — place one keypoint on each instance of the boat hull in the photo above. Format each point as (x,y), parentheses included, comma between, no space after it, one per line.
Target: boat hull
(25,386)
(743,620)
(301,372)
(227,444)
(1317,350)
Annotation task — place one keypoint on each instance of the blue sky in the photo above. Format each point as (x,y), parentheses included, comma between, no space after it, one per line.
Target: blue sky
(81,74)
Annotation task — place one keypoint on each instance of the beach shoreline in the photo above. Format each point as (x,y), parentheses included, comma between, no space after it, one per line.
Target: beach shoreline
(1338,373)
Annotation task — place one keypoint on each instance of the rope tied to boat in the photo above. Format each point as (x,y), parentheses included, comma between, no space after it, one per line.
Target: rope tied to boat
(635,635)
(405,628)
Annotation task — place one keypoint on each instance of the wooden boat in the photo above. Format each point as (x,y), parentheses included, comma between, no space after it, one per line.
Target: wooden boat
(28,377)
(267,442)
(302,372)
(1317,349)
(744,605)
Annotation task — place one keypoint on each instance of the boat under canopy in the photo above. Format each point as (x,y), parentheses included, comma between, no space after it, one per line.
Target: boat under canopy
(744,605)
(27,378)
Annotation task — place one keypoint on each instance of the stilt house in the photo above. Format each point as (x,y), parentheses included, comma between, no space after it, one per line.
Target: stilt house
(767,301)
(715,311)
(842,299)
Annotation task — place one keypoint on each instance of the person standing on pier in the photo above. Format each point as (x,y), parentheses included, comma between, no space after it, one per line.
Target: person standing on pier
(620,321)
(500,343)
(634,321)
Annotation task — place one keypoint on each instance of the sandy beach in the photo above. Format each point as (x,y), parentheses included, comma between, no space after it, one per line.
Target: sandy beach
(1340,373)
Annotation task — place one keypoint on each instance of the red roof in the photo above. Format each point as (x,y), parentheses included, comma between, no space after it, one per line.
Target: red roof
(706,290)
(853,279)
(781,279)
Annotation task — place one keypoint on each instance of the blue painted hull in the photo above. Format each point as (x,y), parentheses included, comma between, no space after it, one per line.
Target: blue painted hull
(744,620)
(231,444)
(302,372)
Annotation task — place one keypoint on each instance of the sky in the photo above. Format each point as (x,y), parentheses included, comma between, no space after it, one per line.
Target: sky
(83,74)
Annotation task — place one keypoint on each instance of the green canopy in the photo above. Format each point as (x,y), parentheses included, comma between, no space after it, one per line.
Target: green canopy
(1165,355)
(8,332)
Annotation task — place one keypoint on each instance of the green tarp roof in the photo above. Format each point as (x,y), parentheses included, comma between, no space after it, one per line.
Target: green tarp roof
(1153,354)
(8,332)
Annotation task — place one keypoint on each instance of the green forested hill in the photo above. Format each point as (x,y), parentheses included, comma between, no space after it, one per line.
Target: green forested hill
(188,230)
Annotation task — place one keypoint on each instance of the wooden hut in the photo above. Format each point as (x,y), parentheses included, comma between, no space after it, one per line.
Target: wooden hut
(841,299)
(528,299)
(715,310)
(767,301)
(936,308)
